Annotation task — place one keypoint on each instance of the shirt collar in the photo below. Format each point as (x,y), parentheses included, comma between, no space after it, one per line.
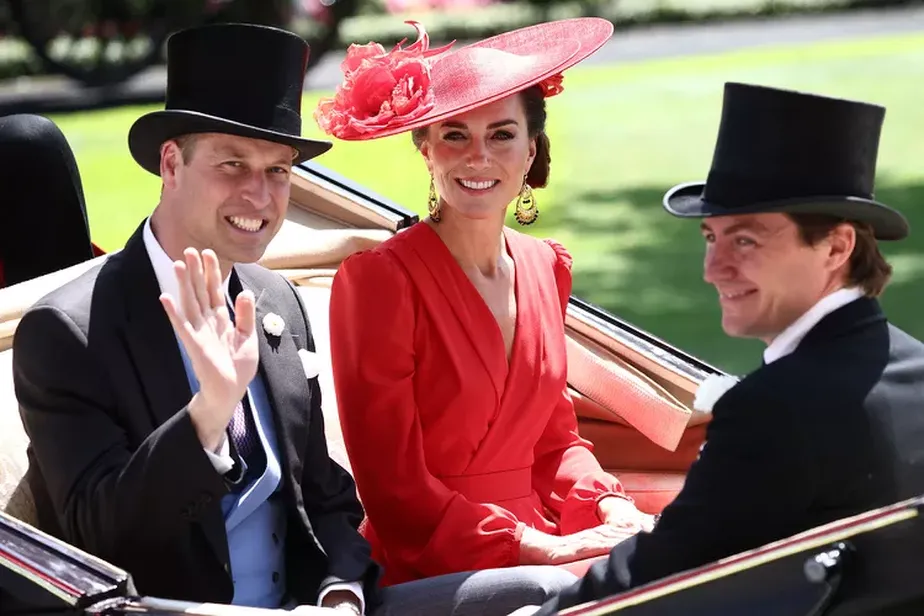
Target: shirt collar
(163,265)
(789,339)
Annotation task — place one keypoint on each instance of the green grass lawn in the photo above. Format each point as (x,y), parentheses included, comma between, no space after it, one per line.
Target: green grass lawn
(621,135)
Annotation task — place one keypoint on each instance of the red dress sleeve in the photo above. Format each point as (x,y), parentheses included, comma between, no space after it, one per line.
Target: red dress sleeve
(424,526)
(566,474)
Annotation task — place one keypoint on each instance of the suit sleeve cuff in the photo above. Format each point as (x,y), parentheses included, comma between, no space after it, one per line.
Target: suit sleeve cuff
(329,585)
(221,459)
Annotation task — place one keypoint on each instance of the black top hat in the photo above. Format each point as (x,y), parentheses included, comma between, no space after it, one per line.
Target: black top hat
(238,79)
(784,151)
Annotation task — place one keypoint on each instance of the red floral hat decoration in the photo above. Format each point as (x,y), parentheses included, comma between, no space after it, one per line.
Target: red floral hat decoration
(384,94)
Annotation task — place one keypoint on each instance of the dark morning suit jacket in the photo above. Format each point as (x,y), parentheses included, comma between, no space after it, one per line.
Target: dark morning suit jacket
(833,429)
(115,464)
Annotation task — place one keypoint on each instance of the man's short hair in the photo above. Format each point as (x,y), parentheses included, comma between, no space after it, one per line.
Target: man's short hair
(187,145)
(867,268)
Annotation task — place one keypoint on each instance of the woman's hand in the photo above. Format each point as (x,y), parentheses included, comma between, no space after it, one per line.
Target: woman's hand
(538,548)
(622,514)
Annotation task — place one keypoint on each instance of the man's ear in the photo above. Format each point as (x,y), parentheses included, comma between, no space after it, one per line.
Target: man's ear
(840,245)
(171,159)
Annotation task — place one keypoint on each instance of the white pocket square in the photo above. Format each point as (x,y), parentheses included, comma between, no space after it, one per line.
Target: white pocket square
(310,363)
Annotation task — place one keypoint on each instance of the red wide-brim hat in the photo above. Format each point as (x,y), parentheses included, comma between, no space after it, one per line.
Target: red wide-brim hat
(386,93)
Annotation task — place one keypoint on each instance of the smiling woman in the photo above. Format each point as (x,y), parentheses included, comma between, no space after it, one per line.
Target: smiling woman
(474,347)
(505,128)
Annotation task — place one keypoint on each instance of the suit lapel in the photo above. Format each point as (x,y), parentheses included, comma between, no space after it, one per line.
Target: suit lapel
(281,368)
(151,340)
(154,349)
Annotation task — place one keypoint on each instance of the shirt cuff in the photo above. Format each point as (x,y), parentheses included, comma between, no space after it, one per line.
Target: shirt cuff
(221,460)
(354,587)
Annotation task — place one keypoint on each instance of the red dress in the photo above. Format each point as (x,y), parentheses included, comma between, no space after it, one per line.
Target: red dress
(453,451)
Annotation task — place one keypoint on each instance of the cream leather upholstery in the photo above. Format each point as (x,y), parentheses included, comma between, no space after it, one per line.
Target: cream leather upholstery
(315,293)
(15,300)
(15,497)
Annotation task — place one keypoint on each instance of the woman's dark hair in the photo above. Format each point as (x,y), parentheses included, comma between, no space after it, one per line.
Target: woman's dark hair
(534,108)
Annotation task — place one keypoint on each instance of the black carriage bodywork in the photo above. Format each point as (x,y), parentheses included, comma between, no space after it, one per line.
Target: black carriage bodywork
(870,564)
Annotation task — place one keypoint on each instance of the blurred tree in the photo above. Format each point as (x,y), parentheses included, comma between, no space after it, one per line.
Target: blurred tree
(267,12)
(104,42)
(586,8)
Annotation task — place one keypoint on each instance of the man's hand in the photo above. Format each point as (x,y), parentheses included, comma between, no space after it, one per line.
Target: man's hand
(224,355)
(622,514)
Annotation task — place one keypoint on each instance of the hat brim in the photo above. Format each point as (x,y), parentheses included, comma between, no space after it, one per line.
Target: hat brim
(686,201)
(568,42)
(151,130)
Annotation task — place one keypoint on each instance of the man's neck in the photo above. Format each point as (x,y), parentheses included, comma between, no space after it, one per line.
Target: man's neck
(175,248)
(834,285)
(787,340)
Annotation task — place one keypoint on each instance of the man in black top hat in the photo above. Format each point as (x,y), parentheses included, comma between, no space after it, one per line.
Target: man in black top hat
(194,455)
(832,423)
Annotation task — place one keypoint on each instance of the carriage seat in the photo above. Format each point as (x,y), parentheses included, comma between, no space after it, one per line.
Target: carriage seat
(15,496)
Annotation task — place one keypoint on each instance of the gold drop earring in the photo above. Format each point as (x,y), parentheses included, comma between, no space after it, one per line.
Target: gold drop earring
(433,203)
(526,211)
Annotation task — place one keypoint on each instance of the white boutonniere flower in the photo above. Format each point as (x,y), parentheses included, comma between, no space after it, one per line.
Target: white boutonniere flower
(710,390)
(273,324)
(310,363)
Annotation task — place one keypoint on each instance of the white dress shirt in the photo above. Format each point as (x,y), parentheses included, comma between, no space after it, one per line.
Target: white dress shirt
(221,459)
(789,338)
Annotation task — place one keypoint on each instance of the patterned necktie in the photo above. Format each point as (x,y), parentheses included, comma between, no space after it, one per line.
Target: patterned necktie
(242,429)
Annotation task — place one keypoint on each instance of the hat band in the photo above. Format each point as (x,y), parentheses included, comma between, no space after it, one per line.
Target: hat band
(278,118)
(740,190)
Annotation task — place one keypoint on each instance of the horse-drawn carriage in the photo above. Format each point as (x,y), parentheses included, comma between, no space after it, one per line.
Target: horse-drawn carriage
(634,397)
